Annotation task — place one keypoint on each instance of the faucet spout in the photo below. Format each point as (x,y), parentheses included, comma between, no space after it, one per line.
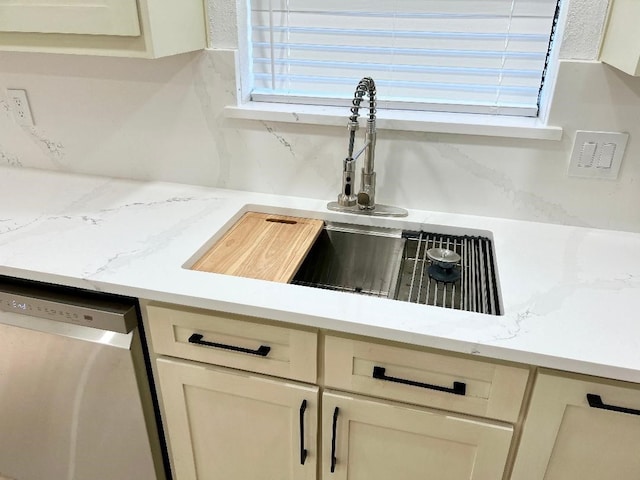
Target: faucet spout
(367,193)
(365,200)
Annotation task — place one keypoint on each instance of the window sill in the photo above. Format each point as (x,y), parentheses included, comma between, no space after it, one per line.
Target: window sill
(405,120)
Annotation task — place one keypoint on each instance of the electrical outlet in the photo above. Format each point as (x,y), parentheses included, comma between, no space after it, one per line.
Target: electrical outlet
(597,154)
(20,107)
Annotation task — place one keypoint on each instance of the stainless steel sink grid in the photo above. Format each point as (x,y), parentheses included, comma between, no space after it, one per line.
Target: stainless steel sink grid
(394,264)
(476,290)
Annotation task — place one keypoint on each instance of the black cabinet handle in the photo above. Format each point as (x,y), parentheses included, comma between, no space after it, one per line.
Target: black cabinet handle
(595,401)
(333,440)
(262,350)
(459,388)
(303,451)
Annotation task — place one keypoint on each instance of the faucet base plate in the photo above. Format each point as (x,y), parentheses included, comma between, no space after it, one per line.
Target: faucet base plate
(378,211)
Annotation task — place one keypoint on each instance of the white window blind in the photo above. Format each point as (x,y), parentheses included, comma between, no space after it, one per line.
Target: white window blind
(472,56)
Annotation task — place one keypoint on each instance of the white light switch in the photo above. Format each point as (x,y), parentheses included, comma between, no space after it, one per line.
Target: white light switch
(607,152)
(588,154)
(597,154)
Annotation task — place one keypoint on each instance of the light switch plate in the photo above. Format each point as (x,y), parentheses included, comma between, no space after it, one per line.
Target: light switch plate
(597,154)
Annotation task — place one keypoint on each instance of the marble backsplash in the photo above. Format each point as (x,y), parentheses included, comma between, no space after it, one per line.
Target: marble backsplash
(164,120)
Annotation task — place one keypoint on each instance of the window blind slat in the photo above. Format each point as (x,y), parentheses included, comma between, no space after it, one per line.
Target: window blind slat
(452,58)
(436,105)
(322,66)
(402,85)
(482,54)
(412,34)
(467,24)
(414,7)
(382,73)
(461,58)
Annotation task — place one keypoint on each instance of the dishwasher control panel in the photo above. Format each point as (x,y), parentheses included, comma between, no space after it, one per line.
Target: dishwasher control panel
(58,304)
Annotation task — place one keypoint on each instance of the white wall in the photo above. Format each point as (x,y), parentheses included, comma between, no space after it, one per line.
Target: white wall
(163,119)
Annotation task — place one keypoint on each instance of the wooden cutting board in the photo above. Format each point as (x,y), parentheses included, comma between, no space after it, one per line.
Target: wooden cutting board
(263,246)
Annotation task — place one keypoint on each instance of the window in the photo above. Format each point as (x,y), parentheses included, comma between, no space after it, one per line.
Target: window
(469,56)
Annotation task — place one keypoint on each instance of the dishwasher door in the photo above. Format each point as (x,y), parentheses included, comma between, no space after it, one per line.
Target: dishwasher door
(70,404)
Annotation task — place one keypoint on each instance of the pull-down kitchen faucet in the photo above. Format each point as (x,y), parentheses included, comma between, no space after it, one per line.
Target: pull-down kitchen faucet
(365,201)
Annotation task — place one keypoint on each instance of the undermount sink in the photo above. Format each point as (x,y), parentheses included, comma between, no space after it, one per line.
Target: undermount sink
(447,270)
(362,260)
(401,265)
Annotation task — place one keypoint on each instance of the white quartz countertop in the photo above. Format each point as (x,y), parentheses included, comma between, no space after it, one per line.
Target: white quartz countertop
(570,295)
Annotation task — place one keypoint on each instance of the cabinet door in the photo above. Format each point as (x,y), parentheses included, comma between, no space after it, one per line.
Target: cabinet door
(621,41)
(365,439)
(565,438)
(96,17)
(228,425)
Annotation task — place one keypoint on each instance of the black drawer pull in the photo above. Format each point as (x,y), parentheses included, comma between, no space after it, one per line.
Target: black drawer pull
(303,451)
(262,350)
(333,439)
(459,388)
(595,401)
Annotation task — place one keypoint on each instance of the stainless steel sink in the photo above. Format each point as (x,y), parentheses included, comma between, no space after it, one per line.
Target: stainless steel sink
(356,259)
(395,264)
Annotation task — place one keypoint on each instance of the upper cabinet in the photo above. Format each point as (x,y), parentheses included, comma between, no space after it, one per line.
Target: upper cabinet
(107,17)
(621,44)
(125,28)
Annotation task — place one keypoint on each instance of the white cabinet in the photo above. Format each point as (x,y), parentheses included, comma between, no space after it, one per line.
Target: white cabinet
(621,42)
(580,428)
(131,28)
(422,377)
(235,423)
(230,425)
(103,17)
(252,419)
(375,410)
(234,341)
(366,439)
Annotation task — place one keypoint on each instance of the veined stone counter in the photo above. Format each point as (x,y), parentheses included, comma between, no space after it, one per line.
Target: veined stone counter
(571,295)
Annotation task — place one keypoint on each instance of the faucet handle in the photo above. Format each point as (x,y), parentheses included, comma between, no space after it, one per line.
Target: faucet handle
(367,194)
(363,200)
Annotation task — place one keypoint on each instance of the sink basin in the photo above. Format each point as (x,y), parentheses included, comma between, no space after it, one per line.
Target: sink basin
(341,259)
(405,266)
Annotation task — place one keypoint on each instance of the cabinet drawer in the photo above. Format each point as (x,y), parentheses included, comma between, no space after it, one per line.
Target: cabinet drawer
(233,341)
(425,378)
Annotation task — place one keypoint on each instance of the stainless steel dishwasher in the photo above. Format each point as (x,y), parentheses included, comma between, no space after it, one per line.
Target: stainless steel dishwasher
(75,397)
